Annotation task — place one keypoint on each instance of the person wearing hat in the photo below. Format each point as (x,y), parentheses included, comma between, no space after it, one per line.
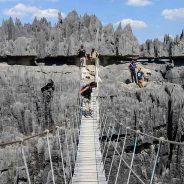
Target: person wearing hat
(82,55)
(140,78)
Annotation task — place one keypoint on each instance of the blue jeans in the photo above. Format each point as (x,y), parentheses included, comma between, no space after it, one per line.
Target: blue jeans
(133,76)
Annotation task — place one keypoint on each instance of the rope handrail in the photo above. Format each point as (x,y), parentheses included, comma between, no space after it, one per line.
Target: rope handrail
(61,152)
(133,172)
(138,132)
(156,138)
(133,156)
(68,152)
(50,157)
(122,159)
(25,163)
(156,160)
(121,156)
(25,139)
(107,144)
(153,137)
(112,161)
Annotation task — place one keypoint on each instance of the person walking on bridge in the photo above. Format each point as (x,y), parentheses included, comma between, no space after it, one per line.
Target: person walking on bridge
(132,68)
(82,55)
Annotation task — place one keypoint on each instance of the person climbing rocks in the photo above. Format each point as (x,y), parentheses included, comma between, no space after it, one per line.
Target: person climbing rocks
(132,68)
(94,56)
(82,55)
(140,78)
(47,92)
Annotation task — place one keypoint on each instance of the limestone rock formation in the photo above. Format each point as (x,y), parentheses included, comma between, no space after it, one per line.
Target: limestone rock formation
(167,48)
(125,42)
(177,47)
(155,110)
(42,39)
(147,49)
(25,111)
(107,46)
(156,48)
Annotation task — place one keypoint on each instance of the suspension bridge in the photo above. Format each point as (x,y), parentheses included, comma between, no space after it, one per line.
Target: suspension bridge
(91,157)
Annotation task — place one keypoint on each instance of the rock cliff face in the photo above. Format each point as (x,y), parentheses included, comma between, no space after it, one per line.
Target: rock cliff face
(170,47)
(41,39)
(26,111)
(125,42)
(157,110)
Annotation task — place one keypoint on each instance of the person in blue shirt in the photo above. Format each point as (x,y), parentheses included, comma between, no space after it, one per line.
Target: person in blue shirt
(140,78)
(132,68)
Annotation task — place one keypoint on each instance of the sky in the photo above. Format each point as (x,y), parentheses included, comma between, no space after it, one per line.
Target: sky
(149,18)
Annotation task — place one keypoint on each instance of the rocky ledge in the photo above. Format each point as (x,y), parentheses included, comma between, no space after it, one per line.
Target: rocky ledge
(26,111)
(157,110)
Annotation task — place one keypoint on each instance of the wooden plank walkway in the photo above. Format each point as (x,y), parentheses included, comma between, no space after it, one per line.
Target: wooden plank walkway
(89,166)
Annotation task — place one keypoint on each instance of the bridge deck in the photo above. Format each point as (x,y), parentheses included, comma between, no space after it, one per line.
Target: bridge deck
(89,166)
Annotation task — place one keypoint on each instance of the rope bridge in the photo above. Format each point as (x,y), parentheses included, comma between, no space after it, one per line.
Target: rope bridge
(91,158)
(89,167)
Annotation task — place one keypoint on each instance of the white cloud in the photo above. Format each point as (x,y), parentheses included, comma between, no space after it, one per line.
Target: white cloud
(139,2)
(173,14)
(132,23)
(21,10)
(48,13)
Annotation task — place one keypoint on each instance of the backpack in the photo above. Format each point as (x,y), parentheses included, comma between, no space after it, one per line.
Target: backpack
(140,75)
(87,91)
(93,84)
